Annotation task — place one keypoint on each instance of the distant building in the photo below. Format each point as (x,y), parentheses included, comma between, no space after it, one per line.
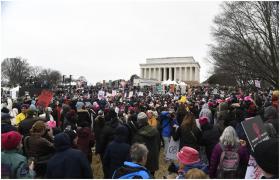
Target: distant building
(174,68)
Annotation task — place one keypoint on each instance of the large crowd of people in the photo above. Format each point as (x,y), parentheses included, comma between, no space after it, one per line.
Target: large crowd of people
(128,132)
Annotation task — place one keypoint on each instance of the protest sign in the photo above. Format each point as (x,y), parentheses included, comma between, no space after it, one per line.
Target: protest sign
(253,171)
(140,94)
(183,89)
(255,131)
(130,94)
(257,84)
(172,150)
(159,88)
(114,93)
(101,94)
(45,98)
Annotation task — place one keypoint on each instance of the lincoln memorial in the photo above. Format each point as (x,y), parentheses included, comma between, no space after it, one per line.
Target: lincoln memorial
(174,68)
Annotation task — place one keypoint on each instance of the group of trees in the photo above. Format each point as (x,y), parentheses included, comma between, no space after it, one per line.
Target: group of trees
(17,71)
(247,41)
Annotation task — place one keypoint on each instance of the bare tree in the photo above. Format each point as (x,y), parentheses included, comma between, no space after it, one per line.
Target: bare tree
(53,77)
(247,41)
(14,70)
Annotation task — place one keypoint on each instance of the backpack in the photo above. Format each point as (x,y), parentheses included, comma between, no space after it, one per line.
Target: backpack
(127,172)
(229,163)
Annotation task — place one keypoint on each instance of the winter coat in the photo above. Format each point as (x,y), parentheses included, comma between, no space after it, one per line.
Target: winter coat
(107,134)
(37,146)
(131,170)
(188,137)
(97,129)
(67,163)
(151,138)
(85,142)
(210,137)
(25,125)
(20,117)
(117,152)
(166,128)
(215,160)
(6,127)
(198,165)
(83,116)
(14,166)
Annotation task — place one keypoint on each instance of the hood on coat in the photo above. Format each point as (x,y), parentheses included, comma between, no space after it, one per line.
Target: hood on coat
(84,132)
(62,142)
(147,131)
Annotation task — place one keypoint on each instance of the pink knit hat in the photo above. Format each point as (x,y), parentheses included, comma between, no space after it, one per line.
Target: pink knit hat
(188,155)
(52,123)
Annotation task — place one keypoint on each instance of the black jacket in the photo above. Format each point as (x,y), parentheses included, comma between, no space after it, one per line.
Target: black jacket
(116,153)
(151,138)
(67,163)
(188,137)
(210,137)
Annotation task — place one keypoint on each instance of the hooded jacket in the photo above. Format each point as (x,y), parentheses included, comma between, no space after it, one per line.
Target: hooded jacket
(117,152)
(17,164)
(151,138)
(67,163)
(85,142)
(165,124)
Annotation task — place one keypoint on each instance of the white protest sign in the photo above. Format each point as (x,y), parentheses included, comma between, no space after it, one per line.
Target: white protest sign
(114,92)
(101,94)
(140,94)
(173,148)
(130,94)
(215,91)
(253,171)
(257,84)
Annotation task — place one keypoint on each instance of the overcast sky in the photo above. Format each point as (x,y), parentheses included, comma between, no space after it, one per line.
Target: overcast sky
(106,40)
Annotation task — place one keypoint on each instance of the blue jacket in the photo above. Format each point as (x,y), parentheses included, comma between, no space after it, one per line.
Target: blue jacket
(142,172)
(67,163)
(165,124)
(198,165)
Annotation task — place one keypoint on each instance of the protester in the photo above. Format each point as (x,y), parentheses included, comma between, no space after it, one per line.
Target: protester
(67,163)
(97,129)
(85,140)
(188,133)
(117,152)
(25,125)
(151,119)
(150,137)
(38,147)
(166,129)
(21,116)
(13,164)
(134,169)
(6,125)
(229,147)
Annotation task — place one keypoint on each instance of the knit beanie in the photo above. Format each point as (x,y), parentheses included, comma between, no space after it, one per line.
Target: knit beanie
(142,119)
(10,140)
(267,156)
